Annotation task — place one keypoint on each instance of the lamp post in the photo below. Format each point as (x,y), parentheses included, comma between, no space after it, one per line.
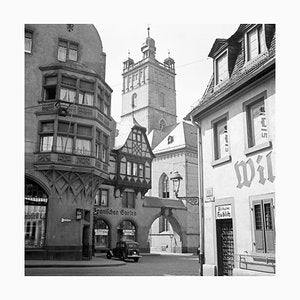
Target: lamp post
(176,178)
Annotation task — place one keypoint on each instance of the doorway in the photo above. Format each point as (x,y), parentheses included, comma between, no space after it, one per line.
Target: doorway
(225,247)
(85,242)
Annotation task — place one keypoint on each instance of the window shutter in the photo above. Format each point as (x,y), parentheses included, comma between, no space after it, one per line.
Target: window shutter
(258,227)
(269,226)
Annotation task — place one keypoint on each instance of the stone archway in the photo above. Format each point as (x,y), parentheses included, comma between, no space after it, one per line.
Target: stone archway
(165,234)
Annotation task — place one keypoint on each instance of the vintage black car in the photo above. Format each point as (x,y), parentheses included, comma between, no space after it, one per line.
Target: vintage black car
(125,250)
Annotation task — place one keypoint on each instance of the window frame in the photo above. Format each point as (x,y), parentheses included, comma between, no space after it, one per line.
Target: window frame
(69,44)
(250,147)
(261,42)
(216,160)
(125,203)
(99,194)
(216,73)
(262,200)
(29,36)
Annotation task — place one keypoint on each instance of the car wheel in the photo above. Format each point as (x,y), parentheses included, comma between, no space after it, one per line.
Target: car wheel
(136,259)
(123,256)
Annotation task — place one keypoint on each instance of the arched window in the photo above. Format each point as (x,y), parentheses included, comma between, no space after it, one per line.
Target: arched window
(165,187)
(102,234)
(126,231)
(162,124)
(36,201)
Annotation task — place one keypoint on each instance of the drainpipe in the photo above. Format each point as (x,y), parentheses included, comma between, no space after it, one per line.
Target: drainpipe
(201,193)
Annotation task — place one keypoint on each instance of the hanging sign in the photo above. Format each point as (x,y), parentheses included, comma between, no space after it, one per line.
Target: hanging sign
(223,212)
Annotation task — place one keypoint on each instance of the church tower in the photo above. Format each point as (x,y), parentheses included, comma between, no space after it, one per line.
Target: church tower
(149,89)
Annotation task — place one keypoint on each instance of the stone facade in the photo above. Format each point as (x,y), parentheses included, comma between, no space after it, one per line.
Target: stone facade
(64,67)
(239,186)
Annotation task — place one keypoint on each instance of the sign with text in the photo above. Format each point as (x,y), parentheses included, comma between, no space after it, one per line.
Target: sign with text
(101,231)
(128,232)
(223,212)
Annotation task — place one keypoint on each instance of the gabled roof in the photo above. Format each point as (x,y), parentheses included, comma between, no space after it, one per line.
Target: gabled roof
(184,135)
(218,44)
(241,73)
(123,130)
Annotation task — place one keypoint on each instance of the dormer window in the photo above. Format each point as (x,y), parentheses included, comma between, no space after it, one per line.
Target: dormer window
(255,42)
(221,68)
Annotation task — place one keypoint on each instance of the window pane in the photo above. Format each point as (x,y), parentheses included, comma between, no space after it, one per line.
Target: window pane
(128,168)
(104,197)
(47,127)
(68,80)
(67,95)
(222,68)
(73,53)
(258,219)
(141,170)
(62,53)
(64,144)
(84,130)
(252,42)
(259,125)
(86,98)
(83,147)
(97,198)
(28,44)
(261,40)
(65,127)
(104,154)
(134,169)
(268,216)
(221,139)
(46,143)
(97,149)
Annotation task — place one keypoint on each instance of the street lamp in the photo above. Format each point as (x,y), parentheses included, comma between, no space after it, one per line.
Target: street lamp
(176,178)
(62,107)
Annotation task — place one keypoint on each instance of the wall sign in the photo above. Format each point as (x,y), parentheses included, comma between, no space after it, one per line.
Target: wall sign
(223,212)
(246,171)
(101,231)
(114,212)
(128,232)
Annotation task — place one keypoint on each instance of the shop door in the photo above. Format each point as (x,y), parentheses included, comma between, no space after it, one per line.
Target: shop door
(85,242)
(225,247)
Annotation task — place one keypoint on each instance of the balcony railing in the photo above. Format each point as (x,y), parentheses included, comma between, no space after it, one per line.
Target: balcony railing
(265,264)
(76,110)
(79,161)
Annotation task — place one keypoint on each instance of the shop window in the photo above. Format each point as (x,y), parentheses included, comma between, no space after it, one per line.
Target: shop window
(256,123)
(221,68)
(126,231)
(67,51)
(221,144)
(263,225)
(255,42)
(101,198)
(28,40)
(101,234)
(36,201)
(128,200)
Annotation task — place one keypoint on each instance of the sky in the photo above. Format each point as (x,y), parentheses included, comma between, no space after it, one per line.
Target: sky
(189,45)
